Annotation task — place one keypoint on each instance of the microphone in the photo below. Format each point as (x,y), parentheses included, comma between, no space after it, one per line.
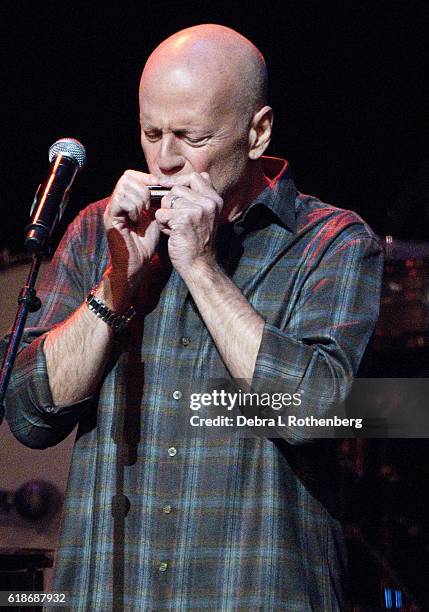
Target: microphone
(67,157)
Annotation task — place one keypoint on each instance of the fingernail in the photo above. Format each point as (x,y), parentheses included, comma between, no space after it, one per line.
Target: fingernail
(166,182)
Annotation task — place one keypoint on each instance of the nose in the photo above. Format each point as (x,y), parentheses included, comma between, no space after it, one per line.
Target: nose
(168,159)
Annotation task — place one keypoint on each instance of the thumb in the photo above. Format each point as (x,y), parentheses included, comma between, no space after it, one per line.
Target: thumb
(206,176)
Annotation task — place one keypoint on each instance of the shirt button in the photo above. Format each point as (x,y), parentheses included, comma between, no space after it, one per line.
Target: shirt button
(185,341)
(162,567)
(177,395)
(167,509)
(172,451)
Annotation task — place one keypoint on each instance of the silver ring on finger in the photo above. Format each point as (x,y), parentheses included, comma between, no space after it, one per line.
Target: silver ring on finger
(173,201)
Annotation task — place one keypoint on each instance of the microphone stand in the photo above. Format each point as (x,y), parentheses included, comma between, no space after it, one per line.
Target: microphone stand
(28,302)
(67,157)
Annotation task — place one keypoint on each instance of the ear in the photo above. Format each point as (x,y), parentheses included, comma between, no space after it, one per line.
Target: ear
(260,132)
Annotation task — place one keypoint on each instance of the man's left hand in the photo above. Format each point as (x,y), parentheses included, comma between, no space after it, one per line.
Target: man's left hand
(192,221)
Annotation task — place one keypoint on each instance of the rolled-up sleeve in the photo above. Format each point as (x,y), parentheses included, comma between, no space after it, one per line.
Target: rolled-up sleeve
(32,416)
(318,351)
(29,409)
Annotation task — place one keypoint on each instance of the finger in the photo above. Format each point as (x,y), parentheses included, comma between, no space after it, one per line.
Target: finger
(163,220)
(142,177)
(185,218)
(135,182)
(130,191)
(183,197)
(127,209)
(196,182)
(201,184)
(206,176)
(163,215)
(127,204)
(174,199)
(174,218)
(176,194)
(127,191)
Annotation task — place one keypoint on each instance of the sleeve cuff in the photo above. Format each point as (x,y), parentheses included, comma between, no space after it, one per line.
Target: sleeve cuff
(281,357)
(286,367)
(32,416)
(38,383)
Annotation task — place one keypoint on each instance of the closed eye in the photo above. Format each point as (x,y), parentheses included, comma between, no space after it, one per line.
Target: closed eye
(153,136)
(194,140)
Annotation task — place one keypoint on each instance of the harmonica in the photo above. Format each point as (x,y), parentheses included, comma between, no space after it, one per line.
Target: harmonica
(156,194)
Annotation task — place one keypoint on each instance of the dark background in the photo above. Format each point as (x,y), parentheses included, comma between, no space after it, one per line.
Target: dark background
(348,86)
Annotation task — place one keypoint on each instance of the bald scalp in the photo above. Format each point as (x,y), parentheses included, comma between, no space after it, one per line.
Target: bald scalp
(216,56)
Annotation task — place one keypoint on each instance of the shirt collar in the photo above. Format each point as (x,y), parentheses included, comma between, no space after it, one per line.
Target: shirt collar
(278,197)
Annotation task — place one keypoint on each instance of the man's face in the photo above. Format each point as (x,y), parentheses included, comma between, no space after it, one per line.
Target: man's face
(187,125)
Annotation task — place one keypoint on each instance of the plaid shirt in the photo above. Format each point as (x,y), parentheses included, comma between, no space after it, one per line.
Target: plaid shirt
(156,519)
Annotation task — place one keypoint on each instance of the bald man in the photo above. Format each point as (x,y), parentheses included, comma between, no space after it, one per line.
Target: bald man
(236,276)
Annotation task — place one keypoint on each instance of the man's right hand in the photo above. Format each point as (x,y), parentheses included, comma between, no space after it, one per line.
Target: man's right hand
(132,231)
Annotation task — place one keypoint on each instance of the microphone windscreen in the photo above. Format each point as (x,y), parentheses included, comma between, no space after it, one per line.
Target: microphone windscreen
(70,147)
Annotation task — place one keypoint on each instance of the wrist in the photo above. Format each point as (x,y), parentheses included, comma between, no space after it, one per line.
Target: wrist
(117,321)
(202,272)
(116,291)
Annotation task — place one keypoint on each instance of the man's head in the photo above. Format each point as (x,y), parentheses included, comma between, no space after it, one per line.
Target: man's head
(203,106)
